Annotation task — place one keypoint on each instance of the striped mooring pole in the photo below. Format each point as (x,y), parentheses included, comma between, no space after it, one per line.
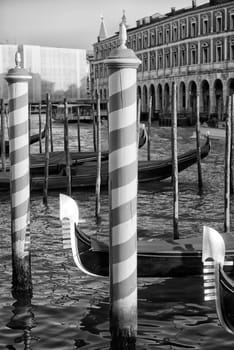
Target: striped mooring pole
(123,168)
(17,79)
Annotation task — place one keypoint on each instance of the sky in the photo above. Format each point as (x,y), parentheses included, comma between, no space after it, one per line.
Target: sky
(73,23)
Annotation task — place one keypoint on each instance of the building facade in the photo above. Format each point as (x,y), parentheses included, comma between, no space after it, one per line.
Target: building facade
(193,47)
(61,72)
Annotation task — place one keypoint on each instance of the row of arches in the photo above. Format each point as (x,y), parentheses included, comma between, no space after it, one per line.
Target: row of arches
(212,96)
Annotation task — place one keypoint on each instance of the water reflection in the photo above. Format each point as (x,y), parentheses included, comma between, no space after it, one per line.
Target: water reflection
(23,319)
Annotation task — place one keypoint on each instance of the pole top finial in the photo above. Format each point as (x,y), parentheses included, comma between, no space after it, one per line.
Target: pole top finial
(18,59)
(122,35)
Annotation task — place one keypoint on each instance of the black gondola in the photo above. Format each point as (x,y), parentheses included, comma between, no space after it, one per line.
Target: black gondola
(156,258)
(218,285)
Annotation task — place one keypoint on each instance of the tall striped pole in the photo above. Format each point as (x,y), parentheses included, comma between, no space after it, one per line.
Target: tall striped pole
(123,165)
(17,79)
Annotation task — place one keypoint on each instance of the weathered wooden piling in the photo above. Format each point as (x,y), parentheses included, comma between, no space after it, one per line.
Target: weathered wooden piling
(39,116)
(175,165)
(94,129)
(149,129)
(47,153)
(232,146)
(122,64)
(3,148)
(199,172)
(227,170)
(78,129)
(99,155)
(51,126)
(17,79)
(66,148)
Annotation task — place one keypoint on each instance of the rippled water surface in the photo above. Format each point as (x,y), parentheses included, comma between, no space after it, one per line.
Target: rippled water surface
(69,310)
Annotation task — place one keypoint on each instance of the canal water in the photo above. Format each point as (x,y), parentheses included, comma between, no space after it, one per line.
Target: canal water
(69,310)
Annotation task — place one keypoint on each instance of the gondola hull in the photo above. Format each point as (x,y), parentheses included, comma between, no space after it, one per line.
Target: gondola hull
(84,175)
(155,258)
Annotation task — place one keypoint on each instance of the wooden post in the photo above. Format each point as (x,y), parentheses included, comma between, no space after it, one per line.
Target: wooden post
(227,170)
(94,130)
(175,167)
(149,127)
(51,127)
(47,153)
(231,155)
(99,155)
(66,148)
(198,148)
(17,79)
(78,128)
(123,147)
(3,148)
(40,143)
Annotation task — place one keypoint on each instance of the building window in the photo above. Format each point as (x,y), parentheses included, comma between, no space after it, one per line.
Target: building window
(232,52)
(193,54)
(193,29)
(182,57)
(152,61)
(218,24)
(160,61)
(174,59)
(183,31)
(232,21)
(219,51)
(145,40)
(152,38)
(167,38)
(175,32)
(134,47)
(145,62)
(160,38)
(139,43)
(205,54)
(167,59)
(205,26)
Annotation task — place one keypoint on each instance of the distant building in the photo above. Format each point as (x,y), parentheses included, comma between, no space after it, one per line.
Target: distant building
(61,72)
(193,47)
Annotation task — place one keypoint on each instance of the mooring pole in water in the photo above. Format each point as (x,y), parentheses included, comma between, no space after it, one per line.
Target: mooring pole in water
(94,129)
(231,155)
(3,148)
(99,156)
(47,153)
(51,127)
(227,170)
(199,172)
(149,128)
(17,79)
(39,116)
(122,64)
(175,166)
(66,148)
(78,128)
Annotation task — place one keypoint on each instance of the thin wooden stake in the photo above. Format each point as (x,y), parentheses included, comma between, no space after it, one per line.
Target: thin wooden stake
(3,148)
(227,170)
(39,115)
(51,127)
(199,172)
(175,167)
(99,155)
(66,149)
(149,128)
(47,154)
(94,130)
(78,128)
(231,155)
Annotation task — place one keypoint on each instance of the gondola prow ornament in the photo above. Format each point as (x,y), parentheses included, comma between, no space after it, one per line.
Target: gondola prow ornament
(218,285)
